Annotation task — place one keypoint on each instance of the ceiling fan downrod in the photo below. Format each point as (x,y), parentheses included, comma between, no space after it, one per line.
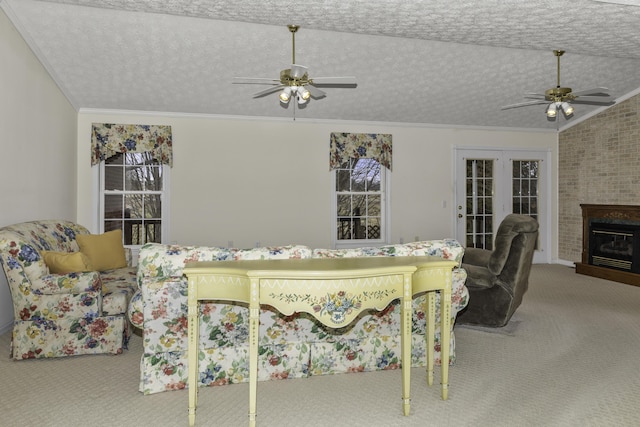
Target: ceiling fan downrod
(559,93)
(293,29)
(558,54)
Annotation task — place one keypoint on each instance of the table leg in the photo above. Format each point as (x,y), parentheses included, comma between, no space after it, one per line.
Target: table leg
(445,335)
(192,351)
(430,333)
(254,324)
(406,326)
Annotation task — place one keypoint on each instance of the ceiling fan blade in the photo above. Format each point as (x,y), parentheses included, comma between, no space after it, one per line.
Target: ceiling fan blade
(594,100)
(524,104)
(534,96)
(335,81)
(596,91)
(268,91)
(255,81)
(297,71)
(315,92)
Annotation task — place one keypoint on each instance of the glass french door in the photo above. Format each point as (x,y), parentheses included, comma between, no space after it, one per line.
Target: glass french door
(490,184)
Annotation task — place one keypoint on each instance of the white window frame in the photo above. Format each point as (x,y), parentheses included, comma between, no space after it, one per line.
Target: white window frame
(164,198)
(385,217)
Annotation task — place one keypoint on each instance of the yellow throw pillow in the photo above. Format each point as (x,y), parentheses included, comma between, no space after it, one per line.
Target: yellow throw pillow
(66,262)
(105,251)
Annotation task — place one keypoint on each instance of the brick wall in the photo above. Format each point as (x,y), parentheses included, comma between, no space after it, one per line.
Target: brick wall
(598,162)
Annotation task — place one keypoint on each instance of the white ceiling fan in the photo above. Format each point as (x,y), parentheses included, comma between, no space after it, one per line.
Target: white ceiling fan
(560,98)
(295,81)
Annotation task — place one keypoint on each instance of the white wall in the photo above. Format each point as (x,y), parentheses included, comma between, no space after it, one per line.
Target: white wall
(37,145)
(256,180)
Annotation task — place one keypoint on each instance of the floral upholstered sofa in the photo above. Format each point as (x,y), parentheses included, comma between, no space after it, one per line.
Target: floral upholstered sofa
(290,346)
(64,314)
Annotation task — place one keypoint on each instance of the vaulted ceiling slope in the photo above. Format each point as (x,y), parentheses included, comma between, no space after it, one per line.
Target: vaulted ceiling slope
(433,62)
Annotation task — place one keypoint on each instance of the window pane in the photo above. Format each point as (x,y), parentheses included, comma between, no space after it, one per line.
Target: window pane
(359,205)
(481,206)
(480,169)
(139,232)
(113,206)
(134,207)
(488,168)
(359,229)
(488,187)
(344,205)
(517,190)
(343,180)
(344,228)
(373,205)
(154,178)
(152,231)
(113,177)
(133,232)
(152,206)
(488,242)
(358,183)
(369,171)
(112,225)
(516,206)
(373,228)
(374,183)
(135,177)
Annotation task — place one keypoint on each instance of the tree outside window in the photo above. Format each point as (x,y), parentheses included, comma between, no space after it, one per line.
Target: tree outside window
(132,201)
(359,197)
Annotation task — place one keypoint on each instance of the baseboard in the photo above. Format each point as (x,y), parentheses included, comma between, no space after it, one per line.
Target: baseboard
(565,262)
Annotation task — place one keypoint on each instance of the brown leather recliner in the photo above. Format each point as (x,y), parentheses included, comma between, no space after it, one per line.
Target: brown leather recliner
(498,279)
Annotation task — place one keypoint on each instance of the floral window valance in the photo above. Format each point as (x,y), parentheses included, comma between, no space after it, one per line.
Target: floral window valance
(356,145)
(108,139)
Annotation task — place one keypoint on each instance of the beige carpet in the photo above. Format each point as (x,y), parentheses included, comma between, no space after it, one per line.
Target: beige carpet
(571,358)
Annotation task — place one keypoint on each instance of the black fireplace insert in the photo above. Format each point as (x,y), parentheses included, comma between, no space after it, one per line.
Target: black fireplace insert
(615,244)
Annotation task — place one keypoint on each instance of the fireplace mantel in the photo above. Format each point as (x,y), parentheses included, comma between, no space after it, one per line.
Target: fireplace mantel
(625,213)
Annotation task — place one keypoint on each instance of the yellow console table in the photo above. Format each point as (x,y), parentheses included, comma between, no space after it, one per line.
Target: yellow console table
(333,290)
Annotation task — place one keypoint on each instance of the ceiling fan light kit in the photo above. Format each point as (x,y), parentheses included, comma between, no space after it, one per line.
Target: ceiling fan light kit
(552,110)
(285,95)
(301,94)
(560,98)
(295,81)
(567,108)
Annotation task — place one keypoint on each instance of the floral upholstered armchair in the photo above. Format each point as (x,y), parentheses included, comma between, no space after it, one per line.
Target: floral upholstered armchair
(62,314)
(290,346)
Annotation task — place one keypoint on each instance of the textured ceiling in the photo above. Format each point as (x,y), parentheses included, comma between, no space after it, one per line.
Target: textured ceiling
(435,62)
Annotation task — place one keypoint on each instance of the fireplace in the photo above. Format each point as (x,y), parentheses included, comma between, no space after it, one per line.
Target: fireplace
(611,243)
(614,245)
